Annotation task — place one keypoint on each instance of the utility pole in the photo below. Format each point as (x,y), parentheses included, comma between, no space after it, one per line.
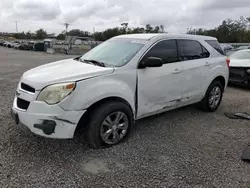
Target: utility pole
(16,27)
(66,25)
(162,28)
(93,29)
(189,29)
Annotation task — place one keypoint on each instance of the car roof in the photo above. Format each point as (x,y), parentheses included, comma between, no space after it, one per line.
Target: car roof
(148,36)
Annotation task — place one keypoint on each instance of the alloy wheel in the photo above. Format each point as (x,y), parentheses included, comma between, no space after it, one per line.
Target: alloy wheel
(114,127)
(214,97)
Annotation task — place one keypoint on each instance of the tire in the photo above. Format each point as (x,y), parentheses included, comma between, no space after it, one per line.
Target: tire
(205,104)
(93,132)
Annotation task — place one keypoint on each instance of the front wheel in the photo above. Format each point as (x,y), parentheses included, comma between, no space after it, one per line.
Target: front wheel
(109,124)
(213,97)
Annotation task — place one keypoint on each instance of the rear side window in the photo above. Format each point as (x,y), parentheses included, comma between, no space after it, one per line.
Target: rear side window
(191,50)
(206,53)
(215,44)
(166,50)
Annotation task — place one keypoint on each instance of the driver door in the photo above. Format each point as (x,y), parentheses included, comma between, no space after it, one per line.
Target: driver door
(160,88)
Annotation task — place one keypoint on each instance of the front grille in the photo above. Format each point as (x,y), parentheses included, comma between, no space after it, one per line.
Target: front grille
(237,70)
(27,88)
(22,104)
(239,74)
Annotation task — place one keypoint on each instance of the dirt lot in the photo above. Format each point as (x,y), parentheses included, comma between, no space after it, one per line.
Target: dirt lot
(181,148)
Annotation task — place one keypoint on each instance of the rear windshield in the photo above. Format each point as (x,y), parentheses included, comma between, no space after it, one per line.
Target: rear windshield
(215,44)
(240,55)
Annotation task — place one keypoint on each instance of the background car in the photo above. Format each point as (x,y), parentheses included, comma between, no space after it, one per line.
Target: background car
(2,42)
(226,47)
(242,48)
(239,70)
(16,46)
(7,44)
(31,44)
(25,46)
(14,43)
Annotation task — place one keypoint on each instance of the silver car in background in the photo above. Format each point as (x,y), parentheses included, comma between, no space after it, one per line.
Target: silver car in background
(239,71)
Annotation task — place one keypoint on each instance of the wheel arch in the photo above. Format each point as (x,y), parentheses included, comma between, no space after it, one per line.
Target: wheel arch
(203,103)
(82,124)
(221,79)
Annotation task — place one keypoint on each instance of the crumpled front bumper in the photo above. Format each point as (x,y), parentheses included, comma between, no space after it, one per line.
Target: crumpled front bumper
(42,119)
(48,121)
(239,75)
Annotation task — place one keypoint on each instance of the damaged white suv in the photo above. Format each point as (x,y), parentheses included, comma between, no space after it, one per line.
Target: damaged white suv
(123,79)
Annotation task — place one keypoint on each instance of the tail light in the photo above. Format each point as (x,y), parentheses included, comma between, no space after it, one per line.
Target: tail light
(228,62)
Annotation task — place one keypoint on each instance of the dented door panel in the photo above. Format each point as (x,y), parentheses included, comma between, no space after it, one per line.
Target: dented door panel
(159,89)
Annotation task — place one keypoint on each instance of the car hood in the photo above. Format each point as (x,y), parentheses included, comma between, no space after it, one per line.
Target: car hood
(239,63)
(62,71)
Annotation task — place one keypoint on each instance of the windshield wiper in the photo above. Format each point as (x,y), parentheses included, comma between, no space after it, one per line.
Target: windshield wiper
(101,64)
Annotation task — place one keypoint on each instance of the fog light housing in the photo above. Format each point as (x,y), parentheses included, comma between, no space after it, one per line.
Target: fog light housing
(48,126)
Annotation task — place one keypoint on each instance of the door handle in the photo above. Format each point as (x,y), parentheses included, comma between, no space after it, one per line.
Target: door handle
(207,64)
(176,71)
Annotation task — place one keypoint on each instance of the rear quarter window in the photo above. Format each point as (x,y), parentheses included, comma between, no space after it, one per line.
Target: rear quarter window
(215,44)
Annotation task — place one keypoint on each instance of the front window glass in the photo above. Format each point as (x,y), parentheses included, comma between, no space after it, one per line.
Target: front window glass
(115,52)
(166,50)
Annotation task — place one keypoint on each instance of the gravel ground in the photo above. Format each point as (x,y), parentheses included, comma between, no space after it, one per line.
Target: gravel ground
(181,148)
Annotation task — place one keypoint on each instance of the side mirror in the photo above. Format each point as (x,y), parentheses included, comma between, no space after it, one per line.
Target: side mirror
(151,62)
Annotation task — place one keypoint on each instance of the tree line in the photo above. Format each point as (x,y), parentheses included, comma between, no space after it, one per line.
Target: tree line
(124,29)
(99,36)
(229,31)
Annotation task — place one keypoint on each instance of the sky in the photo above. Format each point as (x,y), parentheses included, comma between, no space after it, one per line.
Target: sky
(176,15)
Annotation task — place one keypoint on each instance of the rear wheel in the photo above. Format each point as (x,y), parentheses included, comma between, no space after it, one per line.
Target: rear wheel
(213,97)
(109,124)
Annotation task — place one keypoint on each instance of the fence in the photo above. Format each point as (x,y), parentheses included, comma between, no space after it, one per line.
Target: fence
(73,49)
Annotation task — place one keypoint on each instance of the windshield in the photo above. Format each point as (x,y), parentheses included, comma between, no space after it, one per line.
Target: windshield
(241,55)
(243,47)
(115,52)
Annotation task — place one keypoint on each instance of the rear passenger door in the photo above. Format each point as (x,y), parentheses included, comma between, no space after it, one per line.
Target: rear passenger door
(194,59)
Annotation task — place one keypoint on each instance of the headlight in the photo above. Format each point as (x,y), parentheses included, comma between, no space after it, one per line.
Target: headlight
(55,93)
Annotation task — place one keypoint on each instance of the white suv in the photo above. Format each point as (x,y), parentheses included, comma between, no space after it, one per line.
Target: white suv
(123,79)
